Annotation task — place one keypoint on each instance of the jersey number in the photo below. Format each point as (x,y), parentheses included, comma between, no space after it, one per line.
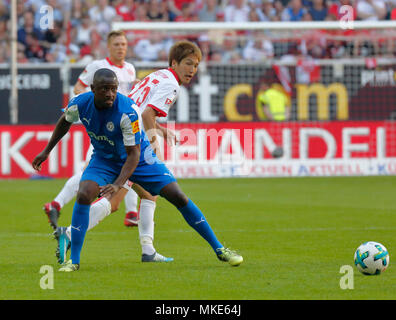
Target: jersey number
(145,89)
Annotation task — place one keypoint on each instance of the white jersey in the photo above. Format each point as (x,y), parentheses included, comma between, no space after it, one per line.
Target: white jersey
(159,90)
(126,74)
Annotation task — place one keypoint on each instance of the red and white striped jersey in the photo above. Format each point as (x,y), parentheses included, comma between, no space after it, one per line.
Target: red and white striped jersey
(159,90)
(126,74)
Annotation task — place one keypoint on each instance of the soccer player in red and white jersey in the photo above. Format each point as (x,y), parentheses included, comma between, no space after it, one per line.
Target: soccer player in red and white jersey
(117,47)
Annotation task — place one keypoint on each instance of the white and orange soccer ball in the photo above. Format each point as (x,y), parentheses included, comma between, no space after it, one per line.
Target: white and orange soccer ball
(371,258)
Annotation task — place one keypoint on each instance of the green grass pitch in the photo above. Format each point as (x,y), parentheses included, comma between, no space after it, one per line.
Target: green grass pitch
(294,234)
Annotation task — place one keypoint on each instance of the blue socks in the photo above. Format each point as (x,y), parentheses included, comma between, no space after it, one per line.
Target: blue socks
(79,226)
(197,221)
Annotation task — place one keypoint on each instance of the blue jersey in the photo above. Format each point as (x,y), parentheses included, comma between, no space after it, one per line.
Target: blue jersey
(110,130)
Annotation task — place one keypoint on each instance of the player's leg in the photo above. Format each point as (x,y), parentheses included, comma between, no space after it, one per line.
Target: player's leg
(99,172)
(195,218)
(87,192)
(68,192)
(131,209)
(146,226)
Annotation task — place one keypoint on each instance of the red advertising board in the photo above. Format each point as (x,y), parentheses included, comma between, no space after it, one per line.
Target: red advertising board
(222,149)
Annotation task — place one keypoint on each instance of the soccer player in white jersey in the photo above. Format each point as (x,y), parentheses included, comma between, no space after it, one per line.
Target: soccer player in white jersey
(154,96)
(126,75)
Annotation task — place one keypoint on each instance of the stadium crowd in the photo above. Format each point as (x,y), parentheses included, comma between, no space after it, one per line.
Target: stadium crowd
(79,28)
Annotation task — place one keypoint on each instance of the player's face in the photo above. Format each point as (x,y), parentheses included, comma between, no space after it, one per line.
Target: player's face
(117,48)
(186,69)
(105,92)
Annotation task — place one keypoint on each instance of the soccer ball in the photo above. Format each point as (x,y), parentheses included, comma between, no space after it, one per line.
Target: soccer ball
(371,258)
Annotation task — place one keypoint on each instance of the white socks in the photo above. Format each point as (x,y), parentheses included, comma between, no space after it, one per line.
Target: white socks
(99,210)
(102,208)
(146,226)
(131,201)
(69,190)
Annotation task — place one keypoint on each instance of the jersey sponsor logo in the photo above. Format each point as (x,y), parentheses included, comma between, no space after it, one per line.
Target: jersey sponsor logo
(110,126)
(100,138)
(135,126)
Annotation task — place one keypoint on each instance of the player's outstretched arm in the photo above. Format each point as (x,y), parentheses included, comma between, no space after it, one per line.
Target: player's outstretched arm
(150,125)
(61,128)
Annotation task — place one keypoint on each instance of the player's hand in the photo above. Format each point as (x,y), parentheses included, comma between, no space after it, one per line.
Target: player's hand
(38,160)
(108,190)
(171,138)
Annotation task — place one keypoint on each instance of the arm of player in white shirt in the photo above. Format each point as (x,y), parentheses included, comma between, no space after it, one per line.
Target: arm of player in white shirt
(150,126)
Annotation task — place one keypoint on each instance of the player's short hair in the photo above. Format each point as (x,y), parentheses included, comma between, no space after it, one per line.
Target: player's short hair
(182,49)
(115,33)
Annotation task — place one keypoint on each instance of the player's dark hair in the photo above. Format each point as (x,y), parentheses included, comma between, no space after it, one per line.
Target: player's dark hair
(103,73)
(182,49)
(114,34)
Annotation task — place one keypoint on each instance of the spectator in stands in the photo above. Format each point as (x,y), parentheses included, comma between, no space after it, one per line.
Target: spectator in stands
(187,13)
(153,48)
(4,14)
(175,8)
(209,11)
(237,11)
(78,10)
(253,16)
(51,36)
(141,14)
(102,16)
(20,9)
(294,11)
(279,8)
(391,6)
(21,57)
(4,36)
(125,9)
(318,11)
(230,48)
(34,51)
(267,11)
(82,33)
(28,29)
(258,49)
(371,10)
(156,11)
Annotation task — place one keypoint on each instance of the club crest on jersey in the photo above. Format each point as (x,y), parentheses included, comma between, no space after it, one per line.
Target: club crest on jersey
(135,126)
(110,126)
(168,101)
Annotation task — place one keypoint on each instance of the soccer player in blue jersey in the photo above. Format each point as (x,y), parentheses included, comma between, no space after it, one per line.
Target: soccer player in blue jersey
(121,152)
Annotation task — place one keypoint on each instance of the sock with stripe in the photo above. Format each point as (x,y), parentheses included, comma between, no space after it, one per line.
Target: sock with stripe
(195,218)
(79,226)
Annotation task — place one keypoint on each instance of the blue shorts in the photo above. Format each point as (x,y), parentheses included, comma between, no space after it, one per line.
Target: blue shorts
(152,177)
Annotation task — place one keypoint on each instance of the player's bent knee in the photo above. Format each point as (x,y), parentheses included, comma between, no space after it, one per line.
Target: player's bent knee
(174,195)
(87,192)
